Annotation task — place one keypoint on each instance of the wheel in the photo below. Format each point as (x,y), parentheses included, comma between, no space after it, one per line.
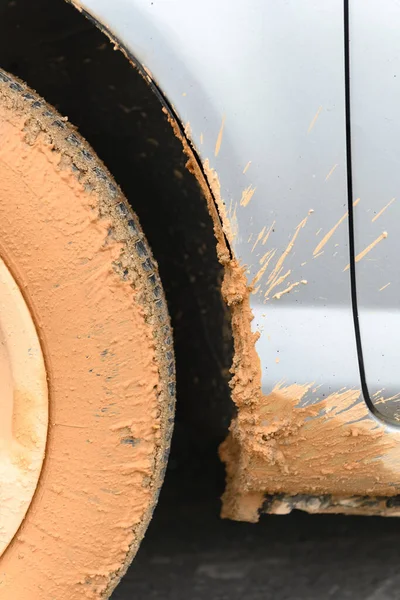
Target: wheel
(86,363)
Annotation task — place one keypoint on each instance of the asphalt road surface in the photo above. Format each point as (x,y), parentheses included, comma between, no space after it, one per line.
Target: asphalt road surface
(190,554)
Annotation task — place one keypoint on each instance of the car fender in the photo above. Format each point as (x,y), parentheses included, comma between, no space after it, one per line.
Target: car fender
(257,92)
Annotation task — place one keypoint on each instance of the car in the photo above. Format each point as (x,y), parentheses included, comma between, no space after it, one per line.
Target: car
(287,116)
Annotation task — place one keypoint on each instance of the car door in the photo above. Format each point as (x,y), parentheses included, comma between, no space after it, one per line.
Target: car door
(374,53)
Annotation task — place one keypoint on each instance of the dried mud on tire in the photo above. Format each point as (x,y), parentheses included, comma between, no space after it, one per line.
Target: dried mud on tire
(81,260)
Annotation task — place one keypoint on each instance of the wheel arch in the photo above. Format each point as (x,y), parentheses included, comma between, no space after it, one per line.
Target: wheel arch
(143,53)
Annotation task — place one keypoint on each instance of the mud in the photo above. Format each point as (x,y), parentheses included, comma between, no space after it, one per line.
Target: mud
(80,258)
(276,445)
(23,410)
(214,202)
(329,447)
(253,473)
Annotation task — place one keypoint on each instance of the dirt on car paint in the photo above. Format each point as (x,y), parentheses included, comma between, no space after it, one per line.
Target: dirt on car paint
(276,445)
(257,461)
(279,446)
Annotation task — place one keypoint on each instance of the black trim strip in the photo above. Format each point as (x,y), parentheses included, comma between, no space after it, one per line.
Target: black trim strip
(350,199)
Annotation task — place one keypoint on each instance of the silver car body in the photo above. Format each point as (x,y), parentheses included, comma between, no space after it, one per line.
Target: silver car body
(259,87)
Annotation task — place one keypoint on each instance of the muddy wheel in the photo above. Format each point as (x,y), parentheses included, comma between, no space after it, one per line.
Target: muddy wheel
(86,363)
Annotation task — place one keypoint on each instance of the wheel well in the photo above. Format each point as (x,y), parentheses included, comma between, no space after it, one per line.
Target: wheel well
(73,66)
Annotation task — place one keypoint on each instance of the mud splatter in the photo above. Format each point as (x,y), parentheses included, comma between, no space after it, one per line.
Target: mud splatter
(290,287)
(259,238)
(330,233)
(188,130)
(264,261)
(277,283)
(268,233)
(368,249)
(247,167)
(314,120)
(278,445)
(329,175)
(219,138)
(275,278)
(382,210)
(247,195)
(384,287)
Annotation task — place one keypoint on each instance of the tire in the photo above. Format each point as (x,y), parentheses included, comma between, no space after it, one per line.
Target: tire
(79,257)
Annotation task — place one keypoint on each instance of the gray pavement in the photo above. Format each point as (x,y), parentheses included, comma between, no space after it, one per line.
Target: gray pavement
(190,554)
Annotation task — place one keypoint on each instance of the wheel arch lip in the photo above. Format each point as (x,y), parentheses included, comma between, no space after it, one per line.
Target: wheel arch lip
(136,55)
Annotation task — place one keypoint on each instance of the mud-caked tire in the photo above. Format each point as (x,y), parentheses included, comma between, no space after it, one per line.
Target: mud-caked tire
(80,260)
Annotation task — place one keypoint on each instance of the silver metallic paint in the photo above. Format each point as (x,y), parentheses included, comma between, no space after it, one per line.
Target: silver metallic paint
(262,82)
